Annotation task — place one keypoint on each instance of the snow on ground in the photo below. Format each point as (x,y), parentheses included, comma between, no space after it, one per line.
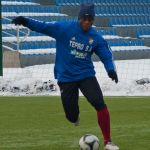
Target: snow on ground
(39,80)
(129,71)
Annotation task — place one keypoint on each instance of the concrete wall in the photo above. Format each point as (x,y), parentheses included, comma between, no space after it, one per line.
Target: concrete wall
(129,55)
(70,10)
(146,41)
(30,60)
(45,2)
(16,60)
(11,59)
(101,21)
(127,31)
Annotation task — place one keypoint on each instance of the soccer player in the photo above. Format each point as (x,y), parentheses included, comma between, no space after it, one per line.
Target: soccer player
(76,41)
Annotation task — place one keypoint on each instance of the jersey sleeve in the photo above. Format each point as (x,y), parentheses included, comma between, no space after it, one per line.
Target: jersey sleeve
(104,52)
(52,29)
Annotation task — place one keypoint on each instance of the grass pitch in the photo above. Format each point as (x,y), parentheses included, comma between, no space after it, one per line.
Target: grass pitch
(38,123)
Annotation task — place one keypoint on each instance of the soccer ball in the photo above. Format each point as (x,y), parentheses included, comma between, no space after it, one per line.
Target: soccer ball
(89,142)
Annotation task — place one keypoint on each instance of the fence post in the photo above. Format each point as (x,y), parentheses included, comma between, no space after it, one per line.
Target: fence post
(18,41)
(1,50)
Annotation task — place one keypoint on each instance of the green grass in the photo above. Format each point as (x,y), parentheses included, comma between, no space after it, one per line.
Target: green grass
(38,123)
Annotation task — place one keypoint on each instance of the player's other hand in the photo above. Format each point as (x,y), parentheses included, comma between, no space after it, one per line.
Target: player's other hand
(113,75)
(20,21)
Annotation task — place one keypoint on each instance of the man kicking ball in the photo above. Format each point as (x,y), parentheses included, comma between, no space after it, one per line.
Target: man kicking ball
(75,43)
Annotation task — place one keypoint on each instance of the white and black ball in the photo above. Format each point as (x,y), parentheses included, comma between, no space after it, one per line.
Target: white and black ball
(89,142)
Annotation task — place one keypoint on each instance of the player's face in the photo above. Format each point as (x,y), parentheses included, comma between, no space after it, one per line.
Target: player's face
(86,23)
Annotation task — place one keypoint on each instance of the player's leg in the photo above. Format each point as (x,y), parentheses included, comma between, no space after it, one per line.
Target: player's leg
(69,97)
(92,91)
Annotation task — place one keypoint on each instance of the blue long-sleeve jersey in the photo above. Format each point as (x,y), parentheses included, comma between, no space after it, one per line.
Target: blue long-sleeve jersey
(74,48)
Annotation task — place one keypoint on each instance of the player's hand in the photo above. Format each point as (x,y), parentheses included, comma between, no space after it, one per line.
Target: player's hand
(20,21)
(113,75)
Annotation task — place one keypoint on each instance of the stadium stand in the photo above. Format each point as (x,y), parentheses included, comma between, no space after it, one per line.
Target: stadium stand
(125,24)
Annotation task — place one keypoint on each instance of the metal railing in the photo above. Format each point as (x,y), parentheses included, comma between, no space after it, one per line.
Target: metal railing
(17,37)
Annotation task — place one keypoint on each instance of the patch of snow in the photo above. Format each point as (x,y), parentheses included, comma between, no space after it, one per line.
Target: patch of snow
(17,3)
(129,48)
(129,71)
(144,36)
(129,25)
(28,39)
(11,26)
(109,37)
(21,81)
(38,51)
(26,87)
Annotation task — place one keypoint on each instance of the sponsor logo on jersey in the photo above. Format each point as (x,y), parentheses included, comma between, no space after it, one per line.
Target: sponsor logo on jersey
(73,38)
(91,41)
(80,50)
(77,54)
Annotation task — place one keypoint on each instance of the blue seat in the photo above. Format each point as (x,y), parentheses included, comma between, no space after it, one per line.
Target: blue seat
(30,8)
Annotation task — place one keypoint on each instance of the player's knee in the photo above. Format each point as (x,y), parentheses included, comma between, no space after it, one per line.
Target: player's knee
(72,118)
(98,105)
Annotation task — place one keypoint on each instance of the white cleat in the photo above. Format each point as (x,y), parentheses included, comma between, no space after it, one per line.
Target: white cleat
(77,123)
(111,146)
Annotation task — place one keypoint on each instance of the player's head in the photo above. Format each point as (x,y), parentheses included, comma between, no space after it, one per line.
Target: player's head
(86,16)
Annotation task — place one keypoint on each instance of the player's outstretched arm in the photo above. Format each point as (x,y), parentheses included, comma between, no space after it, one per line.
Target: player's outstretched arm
(105,54)
(49,28)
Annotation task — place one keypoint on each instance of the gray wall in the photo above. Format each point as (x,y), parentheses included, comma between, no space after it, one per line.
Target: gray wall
(147,41)
(45,2)
(29,60)
(11,59)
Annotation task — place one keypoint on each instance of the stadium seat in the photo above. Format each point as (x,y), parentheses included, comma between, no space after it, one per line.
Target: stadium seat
(119,12)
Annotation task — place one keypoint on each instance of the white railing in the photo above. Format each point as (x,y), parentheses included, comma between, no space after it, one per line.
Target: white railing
(19,38)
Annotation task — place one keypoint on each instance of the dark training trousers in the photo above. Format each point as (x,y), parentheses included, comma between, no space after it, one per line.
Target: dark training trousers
(70,95)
